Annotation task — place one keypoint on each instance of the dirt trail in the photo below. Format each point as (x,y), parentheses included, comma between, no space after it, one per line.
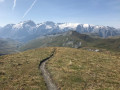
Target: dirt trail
(46,75)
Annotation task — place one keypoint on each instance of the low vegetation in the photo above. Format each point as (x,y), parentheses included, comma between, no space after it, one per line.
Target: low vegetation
(8,46)
(21,72)
(70,69)
(112,44)
(74,40)
(77,69)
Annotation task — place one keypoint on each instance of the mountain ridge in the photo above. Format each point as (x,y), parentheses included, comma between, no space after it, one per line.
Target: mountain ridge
(73,39)
(28,30)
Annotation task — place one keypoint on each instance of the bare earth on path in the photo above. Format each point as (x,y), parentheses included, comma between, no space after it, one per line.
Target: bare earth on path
(46,75)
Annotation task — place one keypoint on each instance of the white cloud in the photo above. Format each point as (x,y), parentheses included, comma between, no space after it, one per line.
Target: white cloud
(14,5)
(2,0)
(29,9)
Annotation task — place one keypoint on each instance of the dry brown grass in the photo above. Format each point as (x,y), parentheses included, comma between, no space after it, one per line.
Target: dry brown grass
(20,71)
(74,69)
(71,69)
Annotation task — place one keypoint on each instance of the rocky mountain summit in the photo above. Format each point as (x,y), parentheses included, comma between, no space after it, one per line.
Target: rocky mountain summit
(28,30)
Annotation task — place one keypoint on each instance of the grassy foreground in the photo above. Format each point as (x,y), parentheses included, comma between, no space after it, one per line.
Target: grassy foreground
(20,71)
(71,69)
(74,69)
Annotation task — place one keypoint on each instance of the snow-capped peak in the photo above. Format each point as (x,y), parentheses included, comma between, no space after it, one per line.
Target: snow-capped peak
(18,26)
(86,25)
(27,28)
(38,25)
(48,27)
(68,25)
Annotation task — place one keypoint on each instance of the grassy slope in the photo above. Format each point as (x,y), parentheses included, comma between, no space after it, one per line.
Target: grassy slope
(74,69)
(8,46)
(109,44)
(72,40)
(71,69)
(20,71)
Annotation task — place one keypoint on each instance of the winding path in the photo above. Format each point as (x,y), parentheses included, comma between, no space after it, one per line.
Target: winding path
(46,75)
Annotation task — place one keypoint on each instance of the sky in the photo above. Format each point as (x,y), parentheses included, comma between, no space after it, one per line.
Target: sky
(96,12)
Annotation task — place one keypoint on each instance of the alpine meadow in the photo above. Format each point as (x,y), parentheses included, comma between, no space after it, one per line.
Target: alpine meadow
(60,45)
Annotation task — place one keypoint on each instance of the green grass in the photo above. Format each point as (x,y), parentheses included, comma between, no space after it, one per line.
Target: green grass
(74,69)
(8,46)
(20,71)
(112,44)
(73,39)
(70,39)
(71,69)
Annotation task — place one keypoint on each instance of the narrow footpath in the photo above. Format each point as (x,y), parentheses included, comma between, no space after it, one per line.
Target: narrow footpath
(46,75)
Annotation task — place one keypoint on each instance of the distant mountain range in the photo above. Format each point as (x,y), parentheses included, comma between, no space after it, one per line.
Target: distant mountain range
(28,30)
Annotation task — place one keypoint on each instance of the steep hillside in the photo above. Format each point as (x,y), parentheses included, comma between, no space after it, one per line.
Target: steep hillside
(109,44)
(21,71)
(75,40)
(8,46)
(74,69)
(68,39)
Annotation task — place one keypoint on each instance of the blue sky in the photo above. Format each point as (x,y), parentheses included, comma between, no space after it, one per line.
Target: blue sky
(97,12)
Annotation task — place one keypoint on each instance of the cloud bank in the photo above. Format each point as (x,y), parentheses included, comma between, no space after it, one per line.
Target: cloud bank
(29,9)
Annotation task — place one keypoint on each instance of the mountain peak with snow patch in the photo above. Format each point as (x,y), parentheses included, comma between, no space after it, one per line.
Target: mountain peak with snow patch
(28,28)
